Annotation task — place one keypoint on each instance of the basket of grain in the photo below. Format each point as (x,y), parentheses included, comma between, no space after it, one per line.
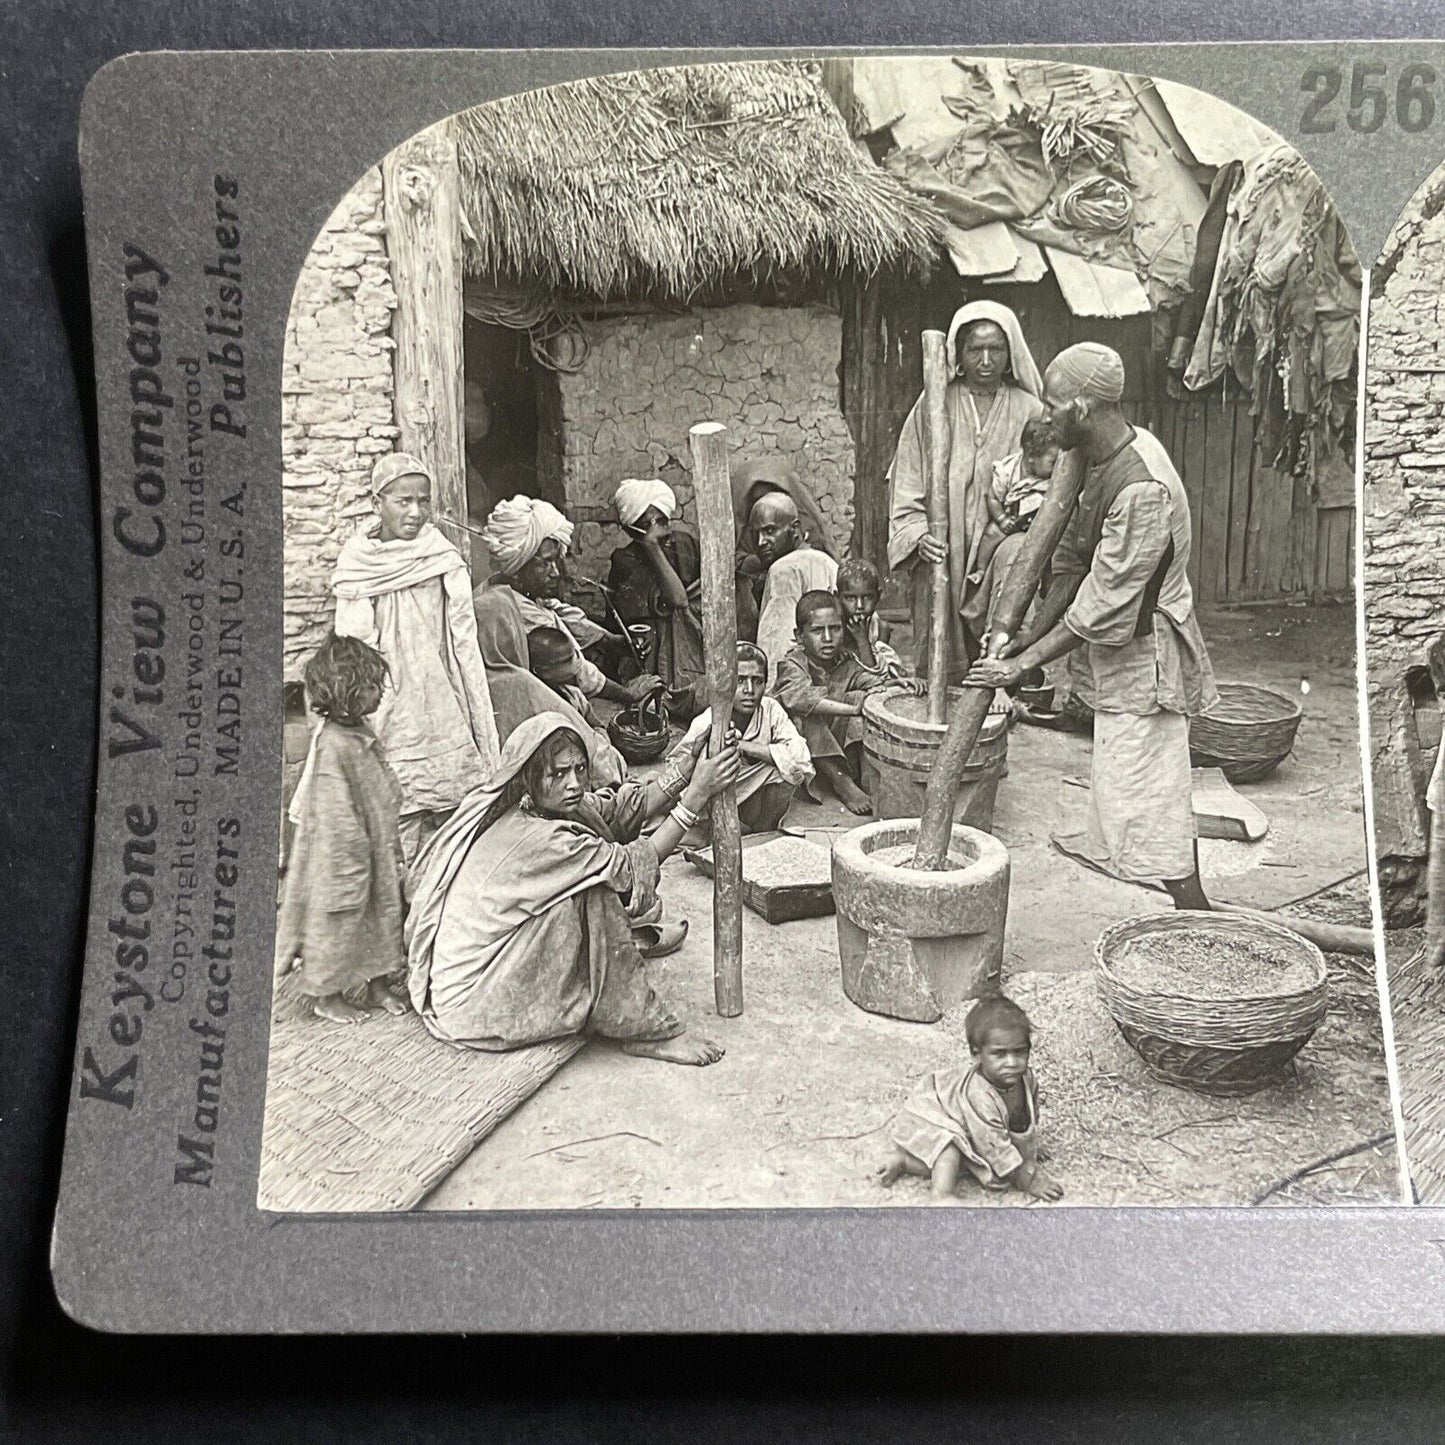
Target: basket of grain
(1248,733)
(1211,1002)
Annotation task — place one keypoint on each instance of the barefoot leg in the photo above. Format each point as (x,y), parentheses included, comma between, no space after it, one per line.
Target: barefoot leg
(335,1009)
(945,1174)
(684,1049)
(844,788)
(899,1163)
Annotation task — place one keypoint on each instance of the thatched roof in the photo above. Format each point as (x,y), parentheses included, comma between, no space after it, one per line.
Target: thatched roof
(669,182)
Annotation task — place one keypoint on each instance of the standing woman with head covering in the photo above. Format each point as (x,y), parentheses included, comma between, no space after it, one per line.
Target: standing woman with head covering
(657,578)
(404,589)
(996,390)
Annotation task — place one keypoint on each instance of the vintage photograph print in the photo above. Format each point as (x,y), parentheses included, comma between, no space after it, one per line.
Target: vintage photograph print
(1404,505)
(819,653)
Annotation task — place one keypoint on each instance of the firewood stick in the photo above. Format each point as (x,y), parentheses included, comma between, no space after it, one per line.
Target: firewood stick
(717,535)
(935,827)
(1331,937)
(937,445)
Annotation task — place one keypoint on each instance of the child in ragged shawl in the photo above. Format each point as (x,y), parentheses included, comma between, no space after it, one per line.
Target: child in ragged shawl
(404,589)
(982,1118)
(865,634)
(341,916)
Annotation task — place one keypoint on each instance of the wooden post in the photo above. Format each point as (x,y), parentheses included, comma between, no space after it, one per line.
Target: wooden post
(719,647)
(937,445)
(421,199)
(935,827)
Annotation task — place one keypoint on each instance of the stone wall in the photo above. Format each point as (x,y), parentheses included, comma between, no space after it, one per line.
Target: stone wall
(336,406)
(769,373)
(1404,517)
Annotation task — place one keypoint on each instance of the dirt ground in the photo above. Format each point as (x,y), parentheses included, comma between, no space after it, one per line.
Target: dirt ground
(796,1112)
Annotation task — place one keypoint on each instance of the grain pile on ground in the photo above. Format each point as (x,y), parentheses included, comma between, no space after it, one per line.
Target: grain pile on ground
(1201,964)
(786,863)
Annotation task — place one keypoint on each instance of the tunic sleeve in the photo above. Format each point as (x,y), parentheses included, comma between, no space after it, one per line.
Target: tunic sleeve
(795,688)
(777,618)
(786,746)
(907,511)
(356,617)
(985,1121)
(1135,536)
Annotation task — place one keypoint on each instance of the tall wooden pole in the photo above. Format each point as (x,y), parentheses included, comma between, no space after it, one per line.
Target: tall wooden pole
(937,445)
(421,200)
(935,827)
(720,654)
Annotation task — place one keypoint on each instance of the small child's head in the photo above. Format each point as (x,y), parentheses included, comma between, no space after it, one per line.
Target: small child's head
(752,679)
(551,657)
(999,1038)
(819,618)
(858,588)
(344,680)
(401,496)
(1040,449)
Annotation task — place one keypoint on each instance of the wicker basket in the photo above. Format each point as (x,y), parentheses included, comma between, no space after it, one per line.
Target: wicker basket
(1248,733)
(1226,1046)
(640,733)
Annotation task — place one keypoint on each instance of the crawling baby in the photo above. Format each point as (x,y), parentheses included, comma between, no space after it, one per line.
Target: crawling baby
(982,1117)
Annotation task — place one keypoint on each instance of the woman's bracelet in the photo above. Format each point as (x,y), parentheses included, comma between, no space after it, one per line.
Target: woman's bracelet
(684,817)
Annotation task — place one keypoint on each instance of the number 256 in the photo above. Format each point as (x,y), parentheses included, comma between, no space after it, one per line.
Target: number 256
(1368,105)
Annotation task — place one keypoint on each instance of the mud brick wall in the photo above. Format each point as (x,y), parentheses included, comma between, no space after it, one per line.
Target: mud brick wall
(336,406)
(1404,517)
(770,374)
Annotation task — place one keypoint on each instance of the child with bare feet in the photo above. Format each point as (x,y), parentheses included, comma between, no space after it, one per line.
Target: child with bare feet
(822,686)
(772,755)
(982,1118)
(340,922)
(865,634)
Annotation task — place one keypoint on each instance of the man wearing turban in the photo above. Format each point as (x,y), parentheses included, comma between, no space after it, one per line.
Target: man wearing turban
(657,579)
(404,589)
(1122,608)
(527,539)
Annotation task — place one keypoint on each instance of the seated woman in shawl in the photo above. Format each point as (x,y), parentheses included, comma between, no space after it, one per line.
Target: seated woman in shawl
(519,926)
(754,478)
(527,539)
(404,589)
(657,579)
(997,389)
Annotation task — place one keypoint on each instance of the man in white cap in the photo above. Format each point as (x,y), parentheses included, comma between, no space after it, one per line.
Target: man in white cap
(527,539)
(404,589)
(1122,607)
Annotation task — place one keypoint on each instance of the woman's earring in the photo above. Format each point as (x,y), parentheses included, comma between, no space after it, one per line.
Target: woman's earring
(526,802)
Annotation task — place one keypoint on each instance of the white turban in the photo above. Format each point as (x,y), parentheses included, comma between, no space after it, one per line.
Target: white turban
(1086,370)
(637,494)
(516,530)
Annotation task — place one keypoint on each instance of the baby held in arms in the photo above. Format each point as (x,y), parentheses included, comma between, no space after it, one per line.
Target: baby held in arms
(982,1117)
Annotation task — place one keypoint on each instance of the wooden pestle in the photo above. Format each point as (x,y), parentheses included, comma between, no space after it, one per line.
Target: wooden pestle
(717,535)
(935,827)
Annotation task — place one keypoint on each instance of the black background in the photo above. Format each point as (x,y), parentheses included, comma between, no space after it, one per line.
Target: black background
(58,1381)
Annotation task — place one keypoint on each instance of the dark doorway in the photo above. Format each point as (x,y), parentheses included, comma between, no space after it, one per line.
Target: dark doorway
(502,386)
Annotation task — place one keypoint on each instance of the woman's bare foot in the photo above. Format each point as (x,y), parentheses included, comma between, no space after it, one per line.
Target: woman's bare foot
(684,1049)
(378,995)
(334,1009)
